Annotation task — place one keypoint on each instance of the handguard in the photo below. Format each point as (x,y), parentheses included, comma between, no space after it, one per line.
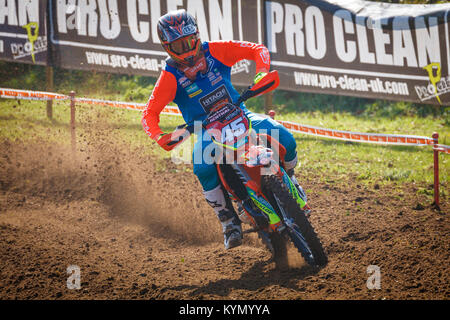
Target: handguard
(168,141)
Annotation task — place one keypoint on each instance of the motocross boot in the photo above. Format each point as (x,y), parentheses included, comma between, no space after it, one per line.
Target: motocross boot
(231,225)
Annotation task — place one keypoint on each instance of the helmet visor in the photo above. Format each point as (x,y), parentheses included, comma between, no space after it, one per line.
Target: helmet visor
(184,45)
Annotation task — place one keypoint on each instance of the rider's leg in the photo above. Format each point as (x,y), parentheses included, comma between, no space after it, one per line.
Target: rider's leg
(231,225)
(279,132)
(206,172)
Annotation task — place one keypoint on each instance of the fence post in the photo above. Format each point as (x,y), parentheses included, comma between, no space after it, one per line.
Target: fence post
(436,167)
(272,114)
(268,102)
(72,119)
(49,88)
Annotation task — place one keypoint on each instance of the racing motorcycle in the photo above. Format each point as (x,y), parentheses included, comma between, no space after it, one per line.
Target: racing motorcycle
(256,180)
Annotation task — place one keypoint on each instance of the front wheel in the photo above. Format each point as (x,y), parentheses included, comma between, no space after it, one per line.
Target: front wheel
(301,231)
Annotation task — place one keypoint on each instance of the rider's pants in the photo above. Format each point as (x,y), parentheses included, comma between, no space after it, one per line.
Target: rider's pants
(203,155)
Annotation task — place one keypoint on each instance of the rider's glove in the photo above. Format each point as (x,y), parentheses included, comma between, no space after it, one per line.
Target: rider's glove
(163,141)
(169,141)
(259,76)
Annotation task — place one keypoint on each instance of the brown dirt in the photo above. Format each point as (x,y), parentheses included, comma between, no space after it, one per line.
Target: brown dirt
(139,230)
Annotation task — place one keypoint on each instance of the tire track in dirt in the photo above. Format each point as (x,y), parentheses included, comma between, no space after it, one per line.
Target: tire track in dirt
(141,232)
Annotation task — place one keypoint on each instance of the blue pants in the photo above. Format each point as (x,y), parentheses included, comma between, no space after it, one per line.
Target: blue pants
(206,171)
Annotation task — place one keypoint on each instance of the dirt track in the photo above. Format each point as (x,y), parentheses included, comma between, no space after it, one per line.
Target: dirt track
(141,232)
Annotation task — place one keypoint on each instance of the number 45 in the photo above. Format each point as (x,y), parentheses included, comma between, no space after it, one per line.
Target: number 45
(232,130)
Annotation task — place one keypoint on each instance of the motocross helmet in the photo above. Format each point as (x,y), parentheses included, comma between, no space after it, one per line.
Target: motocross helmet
(178,33)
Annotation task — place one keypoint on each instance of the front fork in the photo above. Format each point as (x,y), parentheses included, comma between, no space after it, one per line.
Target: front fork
(297,192)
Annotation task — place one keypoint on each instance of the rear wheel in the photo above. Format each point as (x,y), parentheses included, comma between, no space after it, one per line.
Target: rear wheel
(301,231)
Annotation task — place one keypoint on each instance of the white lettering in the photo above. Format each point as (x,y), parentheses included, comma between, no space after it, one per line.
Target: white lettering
(28,11)
(109,19)
(374,281)
(221,22)
(245,309)
(316,44)
(274,23)
(196,310)
(140,33)
(361,31)
(381,40)
(345,54)
(155,14)
(173,5)
(195,7)
(61,11)
(428,48)
(74,279)
(86,18)
(8,10)
(403,43)
(295,39)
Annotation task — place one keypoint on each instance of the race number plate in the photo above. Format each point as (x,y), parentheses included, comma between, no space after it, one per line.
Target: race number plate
(227,124)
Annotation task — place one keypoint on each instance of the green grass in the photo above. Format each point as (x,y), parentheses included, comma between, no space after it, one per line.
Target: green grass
(332,160)
(369,162)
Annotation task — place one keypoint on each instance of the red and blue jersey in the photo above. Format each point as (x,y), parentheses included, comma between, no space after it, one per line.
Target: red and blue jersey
(195,97)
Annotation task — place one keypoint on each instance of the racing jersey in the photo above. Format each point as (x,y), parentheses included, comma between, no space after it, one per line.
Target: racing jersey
(196,98)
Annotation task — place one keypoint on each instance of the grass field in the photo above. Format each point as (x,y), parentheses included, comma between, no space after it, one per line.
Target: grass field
(332,161)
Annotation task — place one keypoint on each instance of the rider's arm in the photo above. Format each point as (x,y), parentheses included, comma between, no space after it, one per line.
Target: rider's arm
(163,93)
(230,52)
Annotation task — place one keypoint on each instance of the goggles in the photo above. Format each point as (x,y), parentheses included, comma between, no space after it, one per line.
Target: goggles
(184,45)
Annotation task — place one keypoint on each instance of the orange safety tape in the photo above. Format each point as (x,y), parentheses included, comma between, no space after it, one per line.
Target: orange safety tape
(115,104)
(358,136)
(31,95)
(442,148)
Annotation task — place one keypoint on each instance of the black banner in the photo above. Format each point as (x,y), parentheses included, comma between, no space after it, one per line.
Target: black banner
(23,34)
(357,48)
(361,48)
(121,36)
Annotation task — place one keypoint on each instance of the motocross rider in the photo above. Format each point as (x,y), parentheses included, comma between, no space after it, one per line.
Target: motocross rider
(196,76)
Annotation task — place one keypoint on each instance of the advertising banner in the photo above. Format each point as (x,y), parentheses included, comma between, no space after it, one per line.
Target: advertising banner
(352,48)
(23,35)
(361,48)
(121,36)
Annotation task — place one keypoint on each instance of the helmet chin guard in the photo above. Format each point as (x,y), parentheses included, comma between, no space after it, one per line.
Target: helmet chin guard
(199,65)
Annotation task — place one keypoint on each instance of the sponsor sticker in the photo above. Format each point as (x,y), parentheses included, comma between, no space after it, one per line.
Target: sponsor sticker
(192,88)
(220,94)
(437,85)
(196,93)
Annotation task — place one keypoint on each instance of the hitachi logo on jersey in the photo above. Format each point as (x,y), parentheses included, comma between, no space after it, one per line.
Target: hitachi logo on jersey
(217,95)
